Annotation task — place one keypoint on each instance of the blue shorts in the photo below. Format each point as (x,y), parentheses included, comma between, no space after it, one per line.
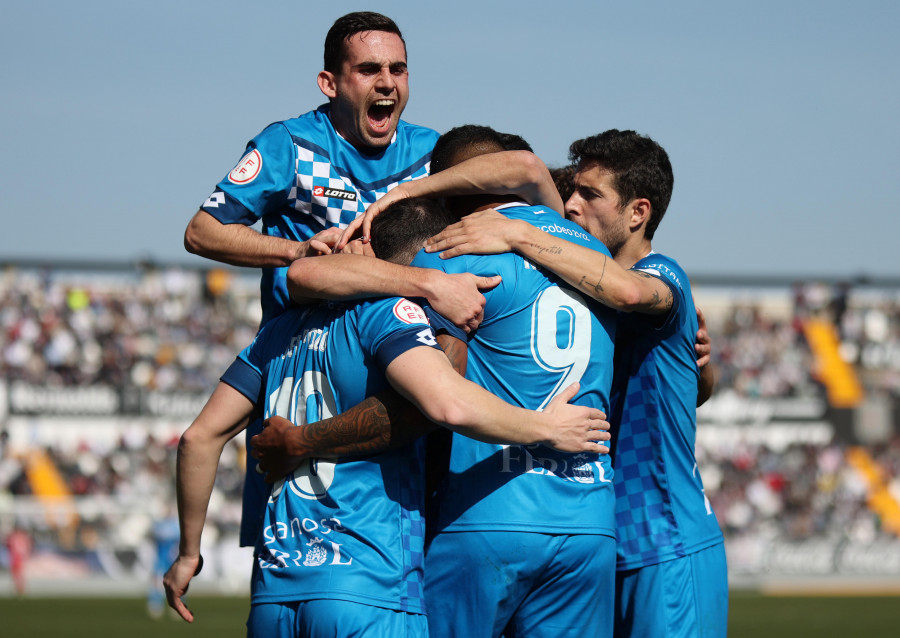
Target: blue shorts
(484,584)
(332,619)
(679,598)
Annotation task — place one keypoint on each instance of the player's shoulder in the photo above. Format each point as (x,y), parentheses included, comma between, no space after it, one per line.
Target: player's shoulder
(283,323)
(315,122)
(403,309)
(409,130)
(673,275)
(551,222)
(664,267)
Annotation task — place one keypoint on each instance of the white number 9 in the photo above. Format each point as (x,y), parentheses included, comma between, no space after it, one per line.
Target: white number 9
(561,336)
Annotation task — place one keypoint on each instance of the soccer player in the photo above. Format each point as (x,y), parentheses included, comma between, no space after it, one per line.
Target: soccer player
(341,547)
(524,537)
(306,177)
(671,570)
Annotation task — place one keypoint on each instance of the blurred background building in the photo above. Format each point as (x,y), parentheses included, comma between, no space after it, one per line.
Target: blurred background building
(103,366)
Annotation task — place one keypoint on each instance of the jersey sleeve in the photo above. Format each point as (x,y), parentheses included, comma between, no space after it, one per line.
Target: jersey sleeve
(244,378)
(260,182)
(392,326)
(663,269)
(245,374)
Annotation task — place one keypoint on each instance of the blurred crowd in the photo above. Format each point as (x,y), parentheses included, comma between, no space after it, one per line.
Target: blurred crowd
(148,327)
(179,328)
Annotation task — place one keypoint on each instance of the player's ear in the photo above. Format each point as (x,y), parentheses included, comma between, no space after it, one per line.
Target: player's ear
(327,84)
(640,212)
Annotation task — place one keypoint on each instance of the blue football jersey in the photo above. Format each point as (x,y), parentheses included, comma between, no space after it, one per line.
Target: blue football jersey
(538,336)
(299,176)
(346,529)
(296,178)
(661,510)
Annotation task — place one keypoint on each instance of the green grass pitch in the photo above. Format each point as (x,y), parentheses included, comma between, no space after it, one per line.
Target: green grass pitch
(749,615)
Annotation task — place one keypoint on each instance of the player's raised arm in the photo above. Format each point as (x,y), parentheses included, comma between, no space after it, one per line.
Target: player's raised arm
(224,415)
(595,273)
(518,173)
(240,245)
(348,276)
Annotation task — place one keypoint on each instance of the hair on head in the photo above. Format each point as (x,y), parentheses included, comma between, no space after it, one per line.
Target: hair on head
(401,229)
(640,167)
(349,25)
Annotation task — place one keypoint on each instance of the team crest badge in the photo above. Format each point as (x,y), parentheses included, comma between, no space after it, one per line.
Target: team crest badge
(316,554)
(581,469)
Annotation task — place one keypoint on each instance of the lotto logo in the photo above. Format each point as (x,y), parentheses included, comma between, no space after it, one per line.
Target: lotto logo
(321,191)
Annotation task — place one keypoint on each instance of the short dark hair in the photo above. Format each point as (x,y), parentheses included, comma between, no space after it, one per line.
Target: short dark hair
(468,139)
(513,142)
(402,228)
(564,180)
(349,25)
(640,167)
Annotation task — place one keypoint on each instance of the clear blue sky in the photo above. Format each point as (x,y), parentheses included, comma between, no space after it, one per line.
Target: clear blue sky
(782,118)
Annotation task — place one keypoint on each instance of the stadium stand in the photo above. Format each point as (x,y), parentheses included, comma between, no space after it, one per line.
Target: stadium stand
(102,366)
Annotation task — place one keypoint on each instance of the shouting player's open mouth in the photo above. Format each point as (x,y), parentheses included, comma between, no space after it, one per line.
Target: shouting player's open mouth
(380,114)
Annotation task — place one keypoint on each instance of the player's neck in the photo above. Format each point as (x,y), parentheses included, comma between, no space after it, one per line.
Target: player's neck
(632,251)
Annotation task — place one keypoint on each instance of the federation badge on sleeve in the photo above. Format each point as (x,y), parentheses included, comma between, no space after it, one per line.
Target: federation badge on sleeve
(409,312)
(247,169)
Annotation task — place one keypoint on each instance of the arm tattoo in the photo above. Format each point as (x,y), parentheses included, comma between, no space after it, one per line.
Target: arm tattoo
(553,250)
(597,288)
(379,423)
(658,300)
(456,350)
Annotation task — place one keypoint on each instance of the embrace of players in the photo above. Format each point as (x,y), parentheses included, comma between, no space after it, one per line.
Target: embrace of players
(428,427)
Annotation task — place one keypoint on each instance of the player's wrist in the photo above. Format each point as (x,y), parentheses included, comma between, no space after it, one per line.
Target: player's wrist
(427,282)
(190,555)
(517,233)
(539,429)
(295,443)
(300,250)
(522,236)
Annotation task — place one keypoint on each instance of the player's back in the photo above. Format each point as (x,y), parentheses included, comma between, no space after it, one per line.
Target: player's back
(538,337)
(348,529)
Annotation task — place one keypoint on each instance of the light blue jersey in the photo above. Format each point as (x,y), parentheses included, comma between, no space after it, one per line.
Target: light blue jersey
(344,529)
(513,524)
(298,177)
(661,510)
(538,336)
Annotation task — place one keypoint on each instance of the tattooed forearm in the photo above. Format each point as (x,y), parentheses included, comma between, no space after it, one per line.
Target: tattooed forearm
(379,423)
(360,429)
(552,250)
(596,289)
